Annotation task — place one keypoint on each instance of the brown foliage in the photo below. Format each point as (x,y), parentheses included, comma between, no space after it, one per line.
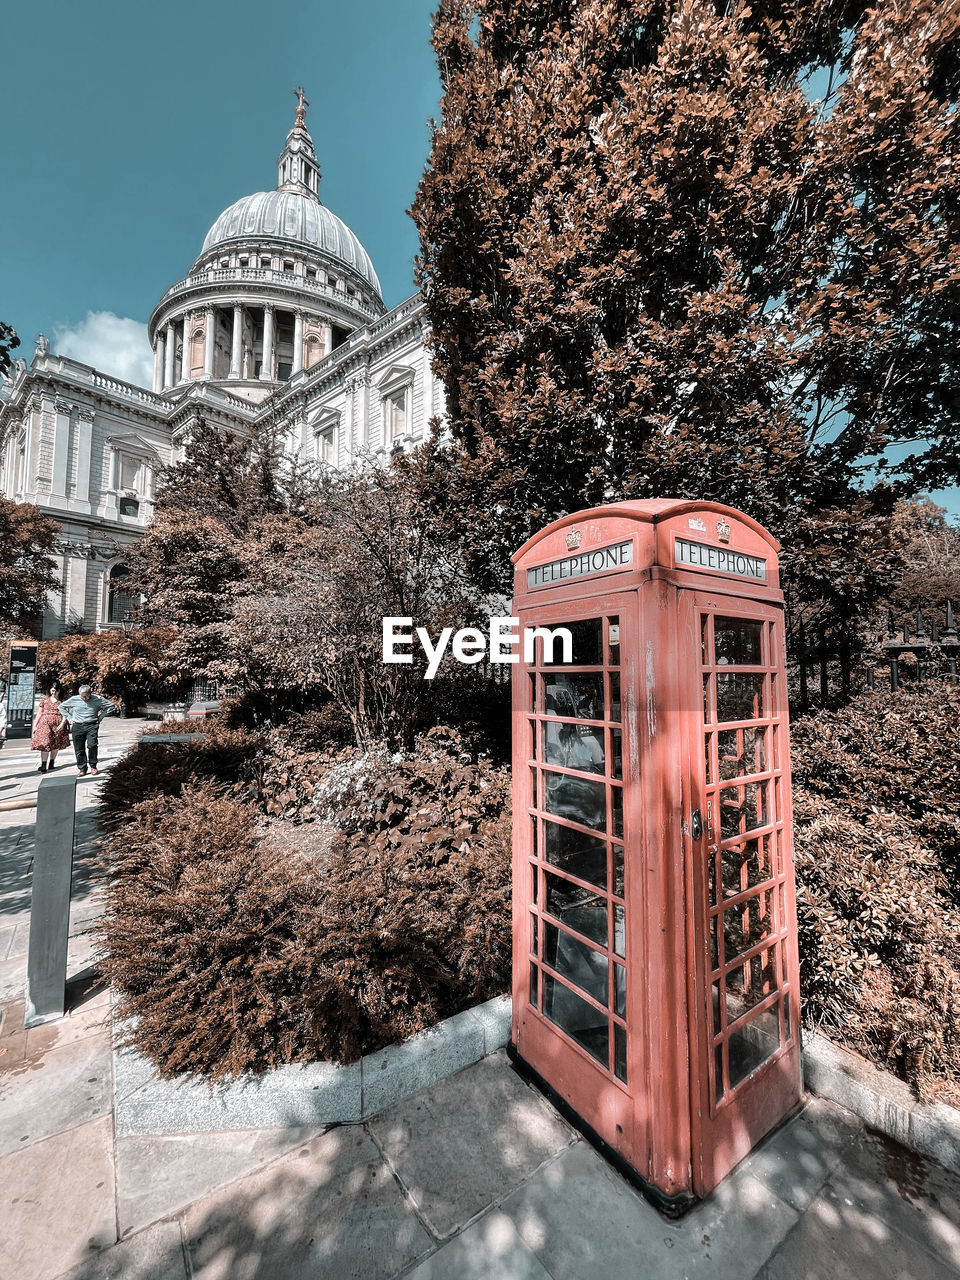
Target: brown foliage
(27,573)
(203,937)
(231,956)
(224,758)
(877,847)
(129,666)
(699,250)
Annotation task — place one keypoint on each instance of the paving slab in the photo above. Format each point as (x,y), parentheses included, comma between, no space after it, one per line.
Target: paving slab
(462,1145)
(833,1242)
(879,1181)
(330,1210)
(489,1250)
(13,977)
(154,1254)
(56,1202)
(157,1176)
(91,1018)
(796,1160)
(52,1090)
(582,1219)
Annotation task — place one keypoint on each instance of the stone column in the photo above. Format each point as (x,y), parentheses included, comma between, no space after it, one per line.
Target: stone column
(169,357)
(327,339)
(84,453)
(158,364)
(235,349)
(297,341)
(61,446)
(209,330)
(185,359)
(266,364)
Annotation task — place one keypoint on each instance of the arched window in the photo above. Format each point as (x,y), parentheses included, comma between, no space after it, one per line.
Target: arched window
(312,351)
(121,599)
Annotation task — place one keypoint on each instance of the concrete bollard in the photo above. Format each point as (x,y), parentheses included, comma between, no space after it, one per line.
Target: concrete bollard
(50,900)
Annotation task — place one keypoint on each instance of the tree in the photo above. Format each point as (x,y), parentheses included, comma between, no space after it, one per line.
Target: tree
(27,573)
(697,249)
(132,667)
(8,342)
(277,580)
(311,615)
(207,538)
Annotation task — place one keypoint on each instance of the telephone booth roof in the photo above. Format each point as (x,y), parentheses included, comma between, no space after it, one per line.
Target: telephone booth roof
(673,535)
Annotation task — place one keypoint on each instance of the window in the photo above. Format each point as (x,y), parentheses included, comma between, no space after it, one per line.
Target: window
(288,266)
(120,599)
(128,470)
(131,476)
(312,351)
(395,415)
(266,263)
(326,441)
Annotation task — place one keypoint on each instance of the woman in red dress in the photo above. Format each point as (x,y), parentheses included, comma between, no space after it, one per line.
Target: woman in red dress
(47,738)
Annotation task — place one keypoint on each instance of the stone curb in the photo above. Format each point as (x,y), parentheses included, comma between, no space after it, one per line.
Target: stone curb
(882,1101)
(315,1093)
(326,1093)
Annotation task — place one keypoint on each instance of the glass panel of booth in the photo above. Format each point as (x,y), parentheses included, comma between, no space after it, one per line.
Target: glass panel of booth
(578,930)
(741,756)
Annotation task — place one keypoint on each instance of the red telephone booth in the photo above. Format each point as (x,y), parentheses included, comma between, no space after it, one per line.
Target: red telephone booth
(655,947)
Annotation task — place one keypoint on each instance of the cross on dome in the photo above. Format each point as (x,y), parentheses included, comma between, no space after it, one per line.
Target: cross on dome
(302,105)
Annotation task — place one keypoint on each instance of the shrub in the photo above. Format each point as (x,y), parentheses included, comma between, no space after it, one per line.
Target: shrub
(416,919)
(230,955)
(877,838)
(288,783)
(203,936)
(223,757)
(132,667)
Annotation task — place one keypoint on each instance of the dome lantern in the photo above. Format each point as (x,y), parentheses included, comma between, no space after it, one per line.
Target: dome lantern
(297,168)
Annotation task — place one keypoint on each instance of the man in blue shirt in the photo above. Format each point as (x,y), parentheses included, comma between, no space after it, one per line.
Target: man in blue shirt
(83,714)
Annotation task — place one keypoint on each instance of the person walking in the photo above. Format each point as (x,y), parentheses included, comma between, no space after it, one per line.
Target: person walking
(49,730)
(83,713)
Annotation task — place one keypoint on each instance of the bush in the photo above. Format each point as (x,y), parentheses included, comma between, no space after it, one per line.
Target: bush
(225,758)
(132,667)
(203,936)
(877,797)
(232,956)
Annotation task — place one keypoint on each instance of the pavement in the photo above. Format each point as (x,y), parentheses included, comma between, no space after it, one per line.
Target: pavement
(474,1178)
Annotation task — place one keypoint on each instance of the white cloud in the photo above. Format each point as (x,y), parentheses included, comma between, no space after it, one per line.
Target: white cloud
(113,344)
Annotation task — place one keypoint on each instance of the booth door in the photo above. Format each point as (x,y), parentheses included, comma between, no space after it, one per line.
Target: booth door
(571,977)
(747,1002)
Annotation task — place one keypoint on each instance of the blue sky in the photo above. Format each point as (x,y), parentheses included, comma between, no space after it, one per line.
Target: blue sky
(129,127)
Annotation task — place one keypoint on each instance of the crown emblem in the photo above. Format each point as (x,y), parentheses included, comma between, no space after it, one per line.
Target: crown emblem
(574,538)
(723,530)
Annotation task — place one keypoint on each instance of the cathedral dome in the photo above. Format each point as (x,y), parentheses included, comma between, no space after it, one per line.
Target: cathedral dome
(294,218)
(280,283)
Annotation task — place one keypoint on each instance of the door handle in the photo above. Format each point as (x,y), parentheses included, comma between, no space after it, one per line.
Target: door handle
(696,825)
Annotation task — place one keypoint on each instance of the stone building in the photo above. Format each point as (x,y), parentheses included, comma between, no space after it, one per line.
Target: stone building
(280,319)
